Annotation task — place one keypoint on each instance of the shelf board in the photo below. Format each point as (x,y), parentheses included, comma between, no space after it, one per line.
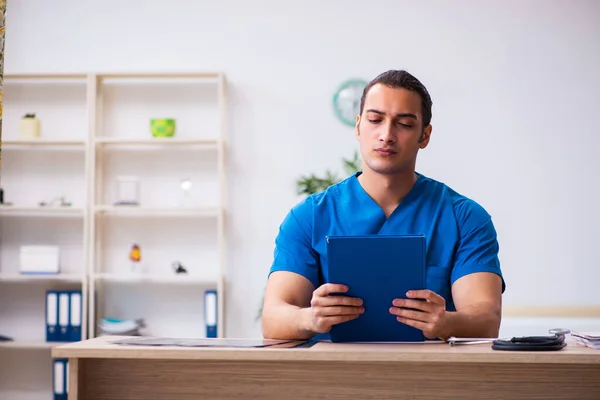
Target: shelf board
(44,143)
(25,278)
(136,211)
(52,211)
(30,344)
(160,75)
(45,76)
(156,279)
(203,143)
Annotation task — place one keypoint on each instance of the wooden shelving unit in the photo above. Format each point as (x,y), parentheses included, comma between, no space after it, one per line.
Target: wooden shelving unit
(38,171)
(98,131)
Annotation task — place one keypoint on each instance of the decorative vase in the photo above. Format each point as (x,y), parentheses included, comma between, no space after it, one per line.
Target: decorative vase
(162,127)
(29,127)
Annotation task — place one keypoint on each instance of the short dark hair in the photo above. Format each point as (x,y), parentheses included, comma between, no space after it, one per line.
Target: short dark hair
(400,79)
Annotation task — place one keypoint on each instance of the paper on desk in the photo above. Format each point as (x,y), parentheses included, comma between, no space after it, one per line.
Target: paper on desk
(454,341)
(238,343)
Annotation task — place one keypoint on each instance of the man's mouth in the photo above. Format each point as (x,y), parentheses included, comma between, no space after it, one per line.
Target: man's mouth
(385,152)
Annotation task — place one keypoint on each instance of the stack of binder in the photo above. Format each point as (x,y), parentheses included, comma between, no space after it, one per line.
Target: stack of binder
(63,315)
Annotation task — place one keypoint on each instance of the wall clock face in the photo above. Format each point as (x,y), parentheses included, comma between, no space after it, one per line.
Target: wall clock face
(346,100)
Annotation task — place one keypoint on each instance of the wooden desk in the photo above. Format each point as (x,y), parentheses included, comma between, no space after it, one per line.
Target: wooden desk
(100,370)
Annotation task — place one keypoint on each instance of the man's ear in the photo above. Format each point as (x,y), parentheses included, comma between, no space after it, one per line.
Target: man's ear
(425,136)
(356,129)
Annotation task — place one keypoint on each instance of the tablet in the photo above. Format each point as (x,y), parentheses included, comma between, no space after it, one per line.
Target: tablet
(377,269)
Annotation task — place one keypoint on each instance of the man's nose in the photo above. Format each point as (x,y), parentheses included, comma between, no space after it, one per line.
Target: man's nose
(387,134)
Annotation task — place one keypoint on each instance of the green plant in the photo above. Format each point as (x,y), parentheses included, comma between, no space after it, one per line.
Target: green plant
(310,184)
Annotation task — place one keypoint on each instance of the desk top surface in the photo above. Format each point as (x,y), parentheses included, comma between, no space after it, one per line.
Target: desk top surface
(103,347)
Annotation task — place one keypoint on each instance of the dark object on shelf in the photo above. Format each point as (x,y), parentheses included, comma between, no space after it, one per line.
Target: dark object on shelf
(2,198)
(179,268)
(5,338)
(126,203)
(58,201)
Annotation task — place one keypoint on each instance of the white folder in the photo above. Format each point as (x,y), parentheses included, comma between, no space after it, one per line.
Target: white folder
(51,316)
(59,377)
(63,316)
(75,316)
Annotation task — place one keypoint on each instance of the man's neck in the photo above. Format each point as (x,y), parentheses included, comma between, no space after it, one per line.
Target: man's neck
(387,190)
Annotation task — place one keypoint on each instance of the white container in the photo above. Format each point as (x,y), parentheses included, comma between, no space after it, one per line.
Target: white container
(128,190)
(39,260)
(29,128)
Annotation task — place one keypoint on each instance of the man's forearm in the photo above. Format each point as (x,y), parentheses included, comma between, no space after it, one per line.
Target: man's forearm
(286,321)
(477,321)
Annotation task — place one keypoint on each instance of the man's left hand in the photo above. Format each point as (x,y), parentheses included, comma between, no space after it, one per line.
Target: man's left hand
(424,310)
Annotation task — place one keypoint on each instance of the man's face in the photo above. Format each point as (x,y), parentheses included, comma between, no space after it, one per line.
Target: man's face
(390,129)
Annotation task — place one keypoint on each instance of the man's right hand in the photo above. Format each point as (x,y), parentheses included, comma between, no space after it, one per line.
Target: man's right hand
(327,310)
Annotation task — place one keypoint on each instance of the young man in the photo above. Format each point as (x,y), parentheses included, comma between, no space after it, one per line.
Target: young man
(464,280)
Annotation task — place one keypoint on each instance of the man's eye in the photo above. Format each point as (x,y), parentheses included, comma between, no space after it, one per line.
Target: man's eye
(404,125)
(374,121)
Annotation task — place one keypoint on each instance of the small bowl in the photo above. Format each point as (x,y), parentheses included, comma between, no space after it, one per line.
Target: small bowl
(162,127)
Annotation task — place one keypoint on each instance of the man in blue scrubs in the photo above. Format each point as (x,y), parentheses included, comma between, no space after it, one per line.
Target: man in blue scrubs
(464,280)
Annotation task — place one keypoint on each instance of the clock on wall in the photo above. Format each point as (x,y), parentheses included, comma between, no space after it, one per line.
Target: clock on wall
(346,100)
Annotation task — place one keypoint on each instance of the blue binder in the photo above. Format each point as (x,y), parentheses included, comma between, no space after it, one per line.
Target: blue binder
(60,379)
(210,313)
(64,316)
(377,269)
(74,327)
(66,363)
(52,316)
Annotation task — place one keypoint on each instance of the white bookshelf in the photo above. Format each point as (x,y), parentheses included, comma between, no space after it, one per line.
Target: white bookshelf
(166,230)
(97,131)
(35,171)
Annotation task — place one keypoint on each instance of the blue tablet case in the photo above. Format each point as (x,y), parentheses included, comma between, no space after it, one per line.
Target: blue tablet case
(377,269)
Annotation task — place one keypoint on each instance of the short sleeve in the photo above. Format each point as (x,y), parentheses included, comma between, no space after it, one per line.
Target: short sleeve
(478,246)
(293,245)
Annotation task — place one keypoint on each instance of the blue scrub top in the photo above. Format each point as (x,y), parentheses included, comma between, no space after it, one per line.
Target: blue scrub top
(460,236)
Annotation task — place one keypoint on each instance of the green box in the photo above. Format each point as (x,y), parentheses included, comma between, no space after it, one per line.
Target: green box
(162,127)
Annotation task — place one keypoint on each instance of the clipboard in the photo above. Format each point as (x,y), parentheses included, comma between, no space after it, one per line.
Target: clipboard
(377,269)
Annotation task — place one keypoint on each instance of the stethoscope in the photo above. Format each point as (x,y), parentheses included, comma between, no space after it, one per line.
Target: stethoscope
(525,343)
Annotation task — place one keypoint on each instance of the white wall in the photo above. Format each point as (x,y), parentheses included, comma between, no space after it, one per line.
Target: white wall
(514,83)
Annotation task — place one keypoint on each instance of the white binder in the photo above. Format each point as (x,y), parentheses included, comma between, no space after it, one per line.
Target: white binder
(75,317)
(51,316)
(63,317)
(58,385)
(210,313)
